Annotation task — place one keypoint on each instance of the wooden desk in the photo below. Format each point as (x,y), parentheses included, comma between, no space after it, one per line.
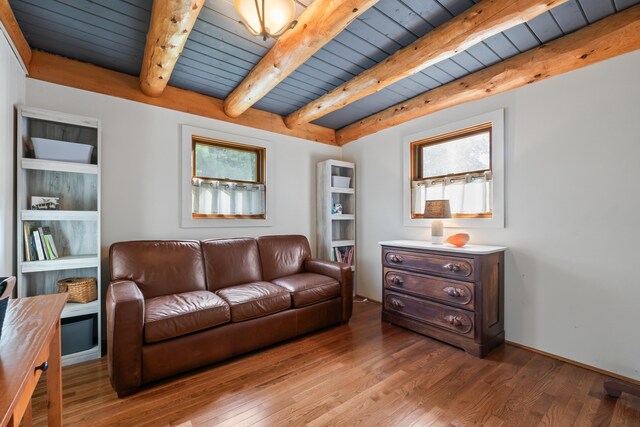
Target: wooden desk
(30,337)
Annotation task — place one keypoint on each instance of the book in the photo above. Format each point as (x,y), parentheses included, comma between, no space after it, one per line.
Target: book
(52,252)
(27,241)
(42,241)
(32,247)
(51,246)
(38,243)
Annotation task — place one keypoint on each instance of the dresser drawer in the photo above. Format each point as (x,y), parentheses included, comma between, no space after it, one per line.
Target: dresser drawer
(449,318)
(430,263)
(445,290)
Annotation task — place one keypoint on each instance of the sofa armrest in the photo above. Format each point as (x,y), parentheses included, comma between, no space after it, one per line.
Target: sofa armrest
(125,323)
(342,273)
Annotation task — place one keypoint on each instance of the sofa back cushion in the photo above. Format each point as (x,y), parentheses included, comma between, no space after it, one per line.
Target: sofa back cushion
(159,267)
(230,262)
(282,255)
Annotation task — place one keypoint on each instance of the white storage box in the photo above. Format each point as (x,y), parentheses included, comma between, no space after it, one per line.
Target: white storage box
(340,181)
(51,149)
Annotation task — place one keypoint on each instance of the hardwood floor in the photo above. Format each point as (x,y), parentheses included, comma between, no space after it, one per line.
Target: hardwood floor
(365,373)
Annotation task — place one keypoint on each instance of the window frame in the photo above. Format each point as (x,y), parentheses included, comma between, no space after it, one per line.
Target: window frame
(417,146)
(496,119)
(417,157)
(187,218)
(261,153)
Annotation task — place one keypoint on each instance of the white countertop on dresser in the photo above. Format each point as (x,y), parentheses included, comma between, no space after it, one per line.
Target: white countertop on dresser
(445,247)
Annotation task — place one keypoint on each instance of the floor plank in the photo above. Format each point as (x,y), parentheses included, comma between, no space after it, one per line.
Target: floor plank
(365,373)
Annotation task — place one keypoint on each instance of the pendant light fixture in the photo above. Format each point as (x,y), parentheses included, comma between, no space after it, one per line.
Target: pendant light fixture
(266,18)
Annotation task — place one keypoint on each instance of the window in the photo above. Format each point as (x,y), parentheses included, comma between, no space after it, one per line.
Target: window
(228,179)
(438,158)
(455,166)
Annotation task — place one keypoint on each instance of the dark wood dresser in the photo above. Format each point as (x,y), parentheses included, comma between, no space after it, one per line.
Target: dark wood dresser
(455,295)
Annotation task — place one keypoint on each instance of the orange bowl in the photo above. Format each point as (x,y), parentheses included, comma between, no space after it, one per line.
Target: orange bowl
(459,239)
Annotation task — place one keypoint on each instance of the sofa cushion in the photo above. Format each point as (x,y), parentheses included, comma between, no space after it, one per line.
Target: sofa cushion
(171,316)
(230,262)
(309,288)
(159,267)
(256,299)
(282,255)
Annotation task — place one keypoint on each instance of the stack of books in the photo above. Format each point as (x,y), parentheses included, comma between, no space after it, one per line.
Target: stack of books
(343,254)
(38,243)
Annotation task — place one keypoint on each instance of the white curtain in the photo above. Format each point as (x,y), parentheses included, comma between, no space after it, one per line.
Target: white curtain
(227,198)
(467,194)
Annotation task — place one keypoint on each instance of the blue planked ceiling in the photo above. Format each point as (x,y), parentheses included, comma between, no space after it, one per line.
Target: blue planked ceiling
(220,52)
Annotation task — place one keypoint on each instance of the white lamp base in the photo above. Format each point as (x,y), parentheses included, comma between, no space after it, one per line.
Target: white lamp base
(437,232)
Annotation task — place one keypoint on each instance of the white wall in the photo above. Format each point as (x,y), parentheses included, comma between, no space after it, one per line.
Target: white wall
(12,93)
(572,211)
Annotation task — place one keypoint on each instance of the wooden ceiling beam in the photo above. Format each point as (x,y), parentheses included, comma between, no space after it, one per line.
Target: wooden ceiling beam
(169,28)
(478,23)
(612,36)
(80,75)
(317,25)
(16,38)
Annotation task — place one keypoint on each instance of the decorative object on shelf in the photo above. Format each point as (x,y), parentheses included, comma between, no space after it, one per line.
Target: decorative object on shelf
(51,149)
(458,240)
(340,181)
(39,203)
(337,209)
(270,21)
(437,210)
(80,289)
(6,287)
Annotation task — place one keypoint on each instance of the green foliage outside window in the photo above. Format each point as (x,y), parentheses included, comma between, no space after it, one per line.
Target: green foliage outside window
(217,162)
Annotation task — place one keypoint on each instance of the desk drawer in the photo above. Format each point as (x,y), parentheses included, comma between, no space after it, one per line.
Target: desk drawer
(32,380)
(430,263)
(448,291)
(449,318)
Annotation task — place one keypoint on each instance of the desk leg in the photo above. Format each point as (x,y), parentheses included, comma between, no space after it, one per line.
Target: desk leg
(27,418)
(54,380)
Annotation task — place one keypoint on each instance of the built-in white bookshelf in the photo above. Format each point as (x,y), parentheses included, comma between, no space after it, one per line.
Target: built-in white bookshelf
(336,232)
(75,227)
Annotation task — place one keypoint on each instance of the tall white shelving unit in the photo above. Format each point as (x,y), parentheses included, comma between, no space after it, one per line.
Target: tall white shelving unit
(75,227)
(336,230)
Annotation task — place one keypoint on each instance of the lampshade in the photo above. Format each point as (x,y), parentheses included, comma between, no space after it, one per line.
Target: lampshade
(437,209)
(266,18)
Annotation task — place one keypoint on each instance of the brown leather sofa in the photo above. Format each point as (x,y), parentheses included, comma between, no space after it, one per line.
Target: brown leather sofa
(177,305)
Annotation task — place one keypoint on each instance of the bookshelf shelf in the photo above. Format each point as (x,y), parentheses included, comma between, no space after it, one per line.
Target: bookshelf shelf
(72,309)
(338,243)
(82,356)
(28,215)
(62,263)
(73,230)
(52,165)
(343,217)
(342,190)
(336,233)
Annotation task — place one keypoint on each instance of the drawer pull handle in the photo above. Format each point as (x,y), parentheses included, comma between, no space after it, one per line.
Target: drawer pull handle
(452,267)
(454,292)
(396,280)
(43,367)
(396,303)
(454,320)
(395,259)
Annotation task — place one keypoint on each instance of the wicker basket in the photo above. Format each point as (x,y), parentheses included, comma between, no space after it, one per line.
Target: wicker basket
(80,289)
